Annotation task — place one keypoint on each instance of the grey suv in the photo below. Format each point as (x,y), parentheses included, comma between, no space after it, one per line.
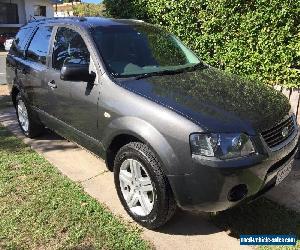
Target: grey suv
(175,131)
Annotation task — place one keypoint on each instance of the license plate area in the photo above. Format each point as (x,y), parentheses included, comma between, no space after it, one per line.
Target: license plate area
(283,173)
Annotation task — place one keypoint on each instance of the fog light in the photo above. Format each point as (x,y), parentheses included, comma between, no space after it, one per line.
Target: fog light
(237,192)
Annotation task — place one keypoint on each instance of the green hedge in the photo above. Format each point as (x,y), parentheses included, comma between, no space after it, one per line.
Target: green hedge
(259,39)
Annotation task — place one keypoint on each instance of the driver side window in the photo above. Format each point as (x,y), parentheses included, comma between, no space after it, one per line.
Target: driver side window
(69,47)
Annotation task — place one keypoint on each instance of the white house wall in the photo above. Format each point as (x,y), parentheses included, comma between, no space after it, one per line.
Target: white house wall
(30,10)
(25,13)
(26,10)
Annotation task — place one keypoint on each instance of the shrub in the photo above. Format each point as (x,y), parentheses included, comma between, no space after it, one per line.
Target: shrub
(89,9)
(259,39)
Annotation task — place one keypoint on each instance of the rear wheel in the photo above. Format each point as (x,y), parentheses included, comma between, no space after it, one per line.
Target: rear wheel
(142,187)
(29,124)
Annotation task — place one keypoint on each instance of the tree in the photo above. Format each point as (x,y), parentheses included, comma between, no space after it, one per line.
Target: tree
(71,1)
(89,9)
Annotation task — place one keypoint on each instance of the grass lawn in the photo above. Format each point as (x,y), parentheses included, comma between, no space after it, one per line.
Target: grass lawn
(260,217)
(41,209)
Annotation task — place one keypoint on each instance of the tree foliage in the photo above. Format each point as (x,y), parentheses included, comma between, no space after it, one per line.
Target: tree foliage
(259,39)
(89,9)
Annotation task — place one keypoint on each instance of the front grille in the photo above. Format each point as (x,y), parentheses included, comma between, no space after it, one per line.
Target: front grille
(279,133)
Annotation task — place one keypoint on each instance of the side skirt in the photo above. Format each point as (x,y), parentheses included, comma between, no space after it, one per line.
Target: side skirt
(71,133)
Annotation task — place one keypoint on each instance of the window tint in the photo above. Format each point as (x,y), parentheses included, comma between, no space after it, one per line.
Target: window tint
(69,46)
(20,41)
(38,48)
(141,49)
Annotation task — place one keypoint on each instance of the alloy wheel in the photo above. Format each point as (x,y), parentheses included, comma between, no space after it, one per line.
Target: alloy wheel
(23,115)
(137,188)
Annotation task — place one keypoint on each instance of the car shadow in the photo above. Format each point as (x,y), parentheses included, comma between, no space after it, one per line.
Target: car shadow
(261,216)
(5,101)
(48,141)
(189,223)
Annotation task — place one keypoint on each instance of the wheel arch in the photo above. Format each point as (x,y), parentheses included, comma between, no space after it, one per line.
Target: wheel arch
(14,92)
(129,129)
(116,143)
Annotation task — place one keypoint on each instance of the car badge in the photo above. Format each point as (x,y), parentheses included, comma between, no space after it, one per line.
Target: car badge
(285,132)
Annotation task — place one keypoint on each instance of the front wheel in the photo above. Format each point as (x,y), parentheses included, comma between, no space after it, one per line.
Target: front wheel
(142,187)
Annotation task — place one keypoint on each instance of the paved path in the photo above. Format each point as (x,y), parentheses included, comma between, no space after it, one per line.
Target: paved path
(288,192)
(2,68)
(3,90)
(184,231)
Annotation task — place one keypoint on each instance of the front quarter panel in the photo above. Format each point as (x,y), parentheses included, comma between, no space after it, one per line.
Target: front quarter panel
(165,131)
(11,70)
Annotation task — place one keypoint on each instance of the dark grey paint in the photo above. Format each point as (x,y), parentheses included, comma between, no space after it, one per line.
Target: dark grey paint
(161,111)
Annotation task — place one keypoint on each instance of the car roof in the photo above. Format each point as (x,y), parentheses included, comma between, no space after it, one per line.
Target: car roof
(88,22)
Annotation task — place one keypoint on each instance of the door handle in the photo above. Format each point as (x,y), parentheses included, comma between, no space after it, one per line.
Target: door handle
(52,84)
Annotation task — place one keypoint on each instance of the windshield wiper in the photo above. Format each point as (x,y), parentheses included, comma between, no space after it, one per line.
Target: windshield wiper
(159,73)
(199,65)
(171,72)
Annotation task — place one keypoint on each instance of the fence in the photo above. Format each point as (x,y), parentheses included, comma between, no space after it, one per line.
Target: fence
(294,97)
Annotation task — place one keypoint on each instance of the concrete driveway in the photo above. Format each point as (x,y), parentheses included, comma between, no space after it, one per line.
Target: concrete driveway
(2,67)
(184,231)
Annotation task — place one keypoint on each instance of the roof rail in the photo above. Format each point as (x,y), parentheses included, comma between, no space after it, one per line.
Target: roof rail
(80,19)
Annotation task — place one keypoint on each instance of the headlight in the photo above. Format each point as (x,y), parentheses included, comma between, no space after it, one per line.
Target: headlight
(222,146)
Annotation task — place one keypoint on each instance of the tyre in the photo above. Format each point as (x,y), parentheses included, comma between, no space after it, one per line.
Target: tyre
(29,124)
(143,189)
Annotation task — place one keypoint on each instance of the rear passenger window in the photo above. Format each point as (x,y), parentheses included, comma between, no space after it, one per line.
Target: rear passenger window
(69,47)
(20,42)
(38,48)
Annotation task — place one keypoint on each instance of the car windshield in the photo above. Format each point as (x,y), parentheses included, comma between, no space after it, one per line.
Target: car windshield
(141,49)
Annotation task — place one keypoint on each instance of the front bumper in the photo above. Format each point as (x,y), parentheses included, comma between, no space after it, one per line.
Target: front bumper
(208,187)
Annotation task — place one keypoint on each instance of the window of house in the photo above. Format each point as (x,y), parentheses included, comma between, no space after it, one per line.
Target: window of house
(39,10)
(38,48)
(69,47)
(9,13)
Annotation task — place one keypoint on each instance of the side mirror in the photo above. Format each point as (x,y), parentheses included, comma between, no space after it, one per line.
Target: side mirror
(77,73)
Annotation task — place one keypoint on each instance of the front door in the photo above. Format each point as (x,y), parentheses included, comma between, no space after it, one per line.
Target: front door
(74,104)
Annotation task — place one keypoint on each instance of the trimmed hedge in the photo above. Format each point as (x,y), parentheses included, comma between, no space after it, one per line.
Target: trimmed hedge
(259,39)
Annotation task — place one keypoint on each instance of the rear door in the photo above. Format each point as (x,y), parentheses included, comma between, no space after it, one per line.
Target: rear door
(35,67)
(16,57)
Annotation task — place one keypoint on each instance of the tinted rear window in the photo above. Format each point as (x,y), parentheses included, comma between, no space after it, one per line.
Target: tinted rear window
(20,41)
(38,48)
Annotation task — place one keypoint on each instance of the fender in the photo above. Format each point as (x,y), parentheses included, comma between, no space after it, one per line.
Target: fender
(17,86)
(146,133)
(15,82)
